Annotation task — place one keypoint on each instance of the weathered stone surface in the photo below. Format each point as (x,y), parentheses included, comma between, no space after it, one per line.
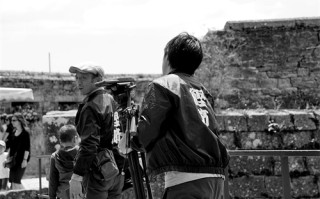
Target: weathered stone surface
(19,194)
(260,140)
(248,165)
(274,186)
(257,121)
(228,140)
(282,118)
(303,120)
(220,121)
(313,165)
(304,187)
(296,140)
(247,187)
(297,166)
(234,121)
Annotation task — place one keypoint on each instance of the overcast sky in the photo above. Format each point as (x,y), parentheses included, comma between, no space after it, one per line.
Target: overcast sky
(124,36)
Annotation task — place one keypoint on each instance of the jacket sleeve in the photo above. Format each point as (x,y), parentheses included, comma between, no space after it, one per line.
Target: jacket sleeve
(155,108)
(53,178)
(89,131)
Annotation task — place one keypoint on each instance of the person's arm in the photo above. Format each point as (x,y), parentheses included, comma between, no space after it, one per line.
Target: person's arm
(5,136)
(155,108)
(89,130)
(53,178)
(26,150)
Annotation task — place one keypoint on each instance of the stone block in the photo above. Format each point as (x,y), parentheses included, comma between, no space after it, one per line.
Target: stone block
(303,120)
(274,186)
(247,187)
(313,164)
(284,83)
(234,121)
(257,121)
(260,140)
(228,140)
(296,140)
(247,165)
(282,118)
(304,187)
(220,121)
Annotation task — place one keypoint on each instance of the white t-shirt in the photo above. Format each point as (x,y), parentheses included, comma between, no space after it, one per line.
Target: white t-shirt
(173,178)
(4,172)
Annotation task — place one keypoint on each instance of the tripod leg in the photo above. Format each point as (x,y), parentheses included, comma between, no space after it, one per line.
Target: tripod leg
(136,175)
(143,158)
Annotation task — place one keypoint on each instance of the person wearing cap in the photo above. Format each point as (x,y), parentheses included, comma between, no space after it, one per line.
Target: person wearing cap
(4,172)
(94,122)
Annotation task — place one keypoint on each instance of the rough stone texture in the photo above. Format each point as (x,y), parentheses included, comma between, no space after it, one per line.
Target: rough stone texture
(233,121)
(260,140)
(263,64)
(302,120)
(273,186)
(19,194)
(305,187)
(257,121)
(313,165)
(51,89)
(247,187)
(259,165)
(296,140)
(228,140)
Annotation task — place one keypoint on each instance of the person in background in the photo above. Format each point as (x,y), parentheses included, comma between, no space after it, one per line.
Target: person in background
(3,126)
(94,122)
(4,172)
(19,150)
(62,161)
(177,127)
(8,136)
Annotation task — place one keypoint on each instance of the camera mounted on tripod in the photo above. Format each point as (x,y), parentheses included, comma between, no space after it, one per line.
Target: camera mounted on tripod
(121,89)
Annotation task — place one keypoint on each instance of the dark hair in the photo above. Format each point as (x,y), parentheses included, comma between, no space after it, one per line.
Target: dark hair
(21,119)
(184,53)
(67,133)
(3,116)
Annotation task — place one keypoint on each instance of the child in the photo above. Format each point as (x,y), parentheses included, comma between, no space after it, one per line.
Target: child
(4,172)
(62,162)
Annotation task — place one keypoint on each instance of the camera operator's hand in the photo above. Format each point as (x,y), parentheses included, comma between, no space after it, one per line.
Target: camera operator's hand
(122,146)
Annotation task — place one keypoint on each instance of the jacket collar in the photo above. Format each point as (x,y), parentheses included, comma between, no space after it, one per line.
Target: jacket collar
(92,94)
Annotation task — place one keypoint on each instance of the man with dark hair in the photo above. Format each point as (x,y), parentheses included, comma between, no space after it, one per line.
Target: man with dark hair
(61,162)
(177,126)
(94,121)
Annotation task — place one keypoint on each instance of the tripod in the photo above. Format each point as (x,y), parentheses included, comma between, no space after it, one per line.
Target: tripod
(124,87)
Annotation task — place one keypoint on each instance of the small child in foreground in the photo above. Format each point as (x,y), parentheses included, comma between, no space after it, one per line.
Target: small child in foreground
(62,162)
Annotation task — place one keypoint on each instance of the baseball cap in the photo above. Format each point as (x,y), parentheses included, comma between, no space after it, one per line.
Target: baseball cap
(87,68)
(2,143)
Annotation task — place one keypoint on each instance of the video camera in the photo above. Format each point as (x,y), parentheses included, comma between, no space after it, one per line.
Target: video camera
(121,89)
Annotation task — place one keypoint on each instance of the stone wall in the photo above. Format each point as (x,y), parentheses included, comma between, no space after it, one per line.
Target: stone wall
(249,176)
(54,91)
(264,64)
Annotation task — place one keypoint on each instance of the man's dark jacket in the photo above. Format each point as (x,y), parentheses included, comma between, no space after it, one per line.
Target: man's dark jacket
(94,121)
(177,127)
